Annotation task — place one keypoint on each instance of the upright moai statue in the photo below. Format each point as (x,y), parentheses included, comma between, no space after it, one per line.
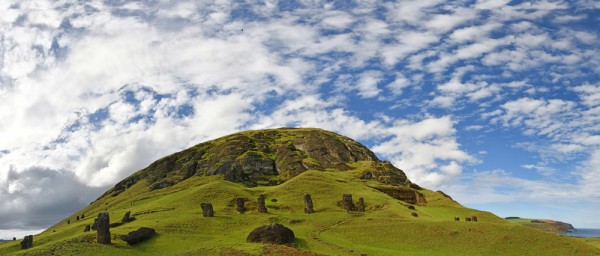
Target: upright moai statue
(308,204)
(240,205)
(262,208)
(347,202)
(87,228)
(27,242)
(103,228)
(360,206)
(207,210)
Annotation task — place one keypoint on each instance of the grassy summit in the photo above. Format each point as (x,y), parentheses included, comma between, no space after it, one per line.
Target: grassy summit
(283,165)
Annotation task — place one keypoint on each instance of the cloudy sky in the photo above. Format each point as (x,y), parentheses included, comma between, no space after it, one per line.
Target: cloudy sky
(495,102)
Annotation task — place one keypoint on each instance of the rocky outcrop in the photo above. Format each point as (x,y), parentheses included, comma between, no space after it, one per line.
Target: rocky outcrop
(271,234)
(139,235)
(103,228)
(265,156)
(408,195)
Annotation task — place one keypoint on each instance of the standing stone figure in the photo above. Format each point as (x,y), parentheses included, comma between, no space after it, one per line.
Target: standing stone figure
(103,228)
(360,206)
(87,228)
(240,205)
(456,219)
(126,218)
(27,242)
(77,218)
(207,210)
(261,204)
(467,219)
(82,216)
(308,204)
(474,218)
(347,202)
(95,225)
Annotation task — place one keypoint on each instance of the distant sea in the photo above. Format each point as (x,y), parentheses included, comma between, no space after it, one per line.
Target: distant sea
(584,232)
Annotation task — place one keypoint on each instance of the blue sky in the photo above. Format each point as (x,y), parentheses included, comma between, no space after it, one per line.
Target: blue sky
(496,103)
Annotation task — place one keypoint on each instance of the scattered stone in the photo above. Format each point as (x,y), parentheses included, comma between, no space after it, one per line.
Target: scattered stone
(411,207)
(308,204)
(456,218)
(271,234)
(360,206)
(347,202)
(240,205)
(467,219)
(126,218)
(139,235)
(27,242)
(207,210)
(87,228)
(95,225)
(103,228)
(261,204)
(474,218)
(414,214)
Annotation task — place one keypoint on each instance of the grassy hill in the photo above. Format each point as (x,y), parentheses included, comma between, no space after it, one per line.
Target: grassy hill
(386,228)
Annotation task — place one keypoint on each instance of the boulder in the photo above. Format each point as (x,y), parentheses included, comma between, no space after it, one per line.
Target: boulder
(308,204)
(411,207)
(240,205)
(207,210)
(139,235)
(103,228)
(262,208)
(271,234)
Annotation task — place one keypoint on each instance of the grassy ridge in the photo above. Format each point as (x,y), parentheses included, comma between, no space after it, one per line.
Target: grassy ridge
(386,229)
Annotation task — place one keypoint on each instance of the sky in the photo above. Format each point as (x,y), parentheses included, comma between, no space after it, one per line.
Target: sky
(494,102)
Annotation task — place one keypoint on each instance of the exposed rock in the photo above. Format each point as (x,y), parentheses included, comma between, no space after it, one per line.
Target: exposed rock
(384,172)
(207,210)
(261,204)
(139,235)
(87,228)
(360,206)
(103,228)
(347,203)
(408,195)
(308,204)
(271,234)
(127,218)
(474,218)
(414,214)
(445,195)
(274,200)
(239,202)
(27,242)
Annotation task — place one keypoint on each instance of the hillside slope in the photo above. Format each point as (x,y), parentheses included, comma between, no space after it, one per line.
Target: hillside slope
(314,161)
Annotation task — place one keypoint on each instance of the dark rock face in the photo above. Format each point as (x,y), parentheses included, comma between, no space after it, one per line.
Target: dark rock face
(27,242)
(207,210)
(239,202)
(360,206)
(127,218)
(103,228)
(408,195)
(87,228)
(347,203)
(308,204)
(251,156)
(271,234)
(262,208)
(139,235)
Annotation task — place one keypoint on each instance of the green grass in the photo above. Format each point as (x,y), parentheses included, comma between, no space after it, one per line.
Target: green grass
(387,228)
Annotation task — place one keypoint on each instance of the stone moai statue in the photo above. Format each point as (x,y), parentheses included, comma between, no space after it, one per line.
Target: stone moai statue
(262,208)
(77,218)
(360,206)
(127,218)
(207,210)
(103,228)
(474,218)
(95,225)
(308,204)
(27,242)
(240,205)
(87,228)
(347,202)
